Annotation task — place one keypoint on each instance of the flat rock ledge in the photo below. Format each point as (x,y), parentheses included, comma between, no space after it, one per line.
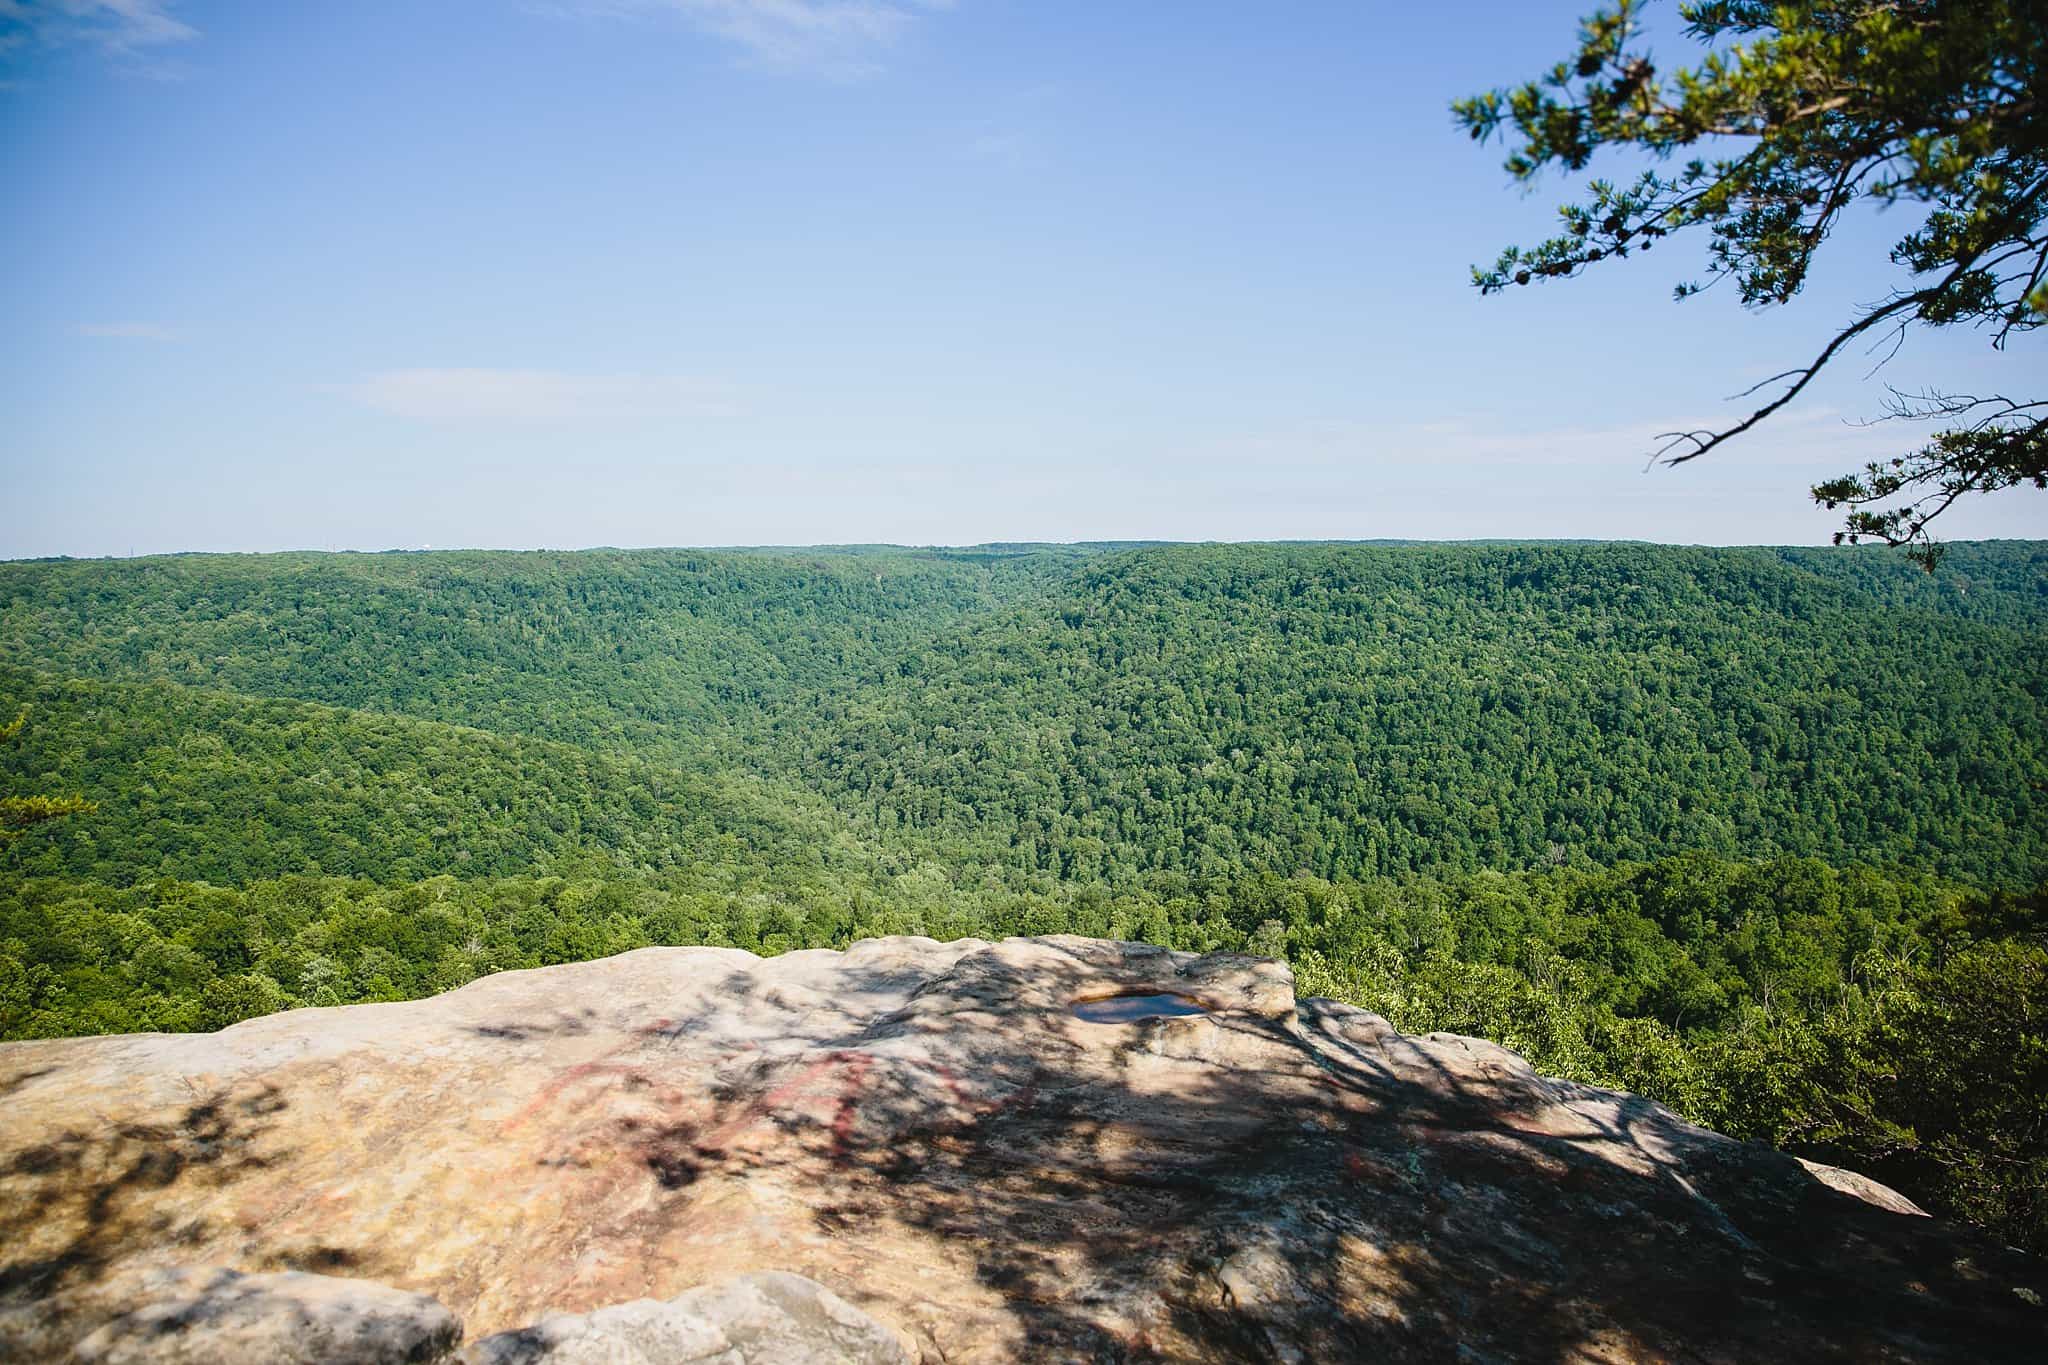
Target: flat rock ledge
(916,1151)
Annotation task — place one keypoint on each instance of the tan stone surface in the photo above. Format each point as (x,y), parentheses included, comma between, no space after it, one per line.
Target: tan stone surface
(927,1131)
(770,1318)
(200,1317)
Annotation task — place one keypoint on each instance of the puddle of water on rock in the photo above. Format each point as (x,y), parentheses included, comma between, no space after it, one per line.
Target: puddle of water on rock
(1124,1009)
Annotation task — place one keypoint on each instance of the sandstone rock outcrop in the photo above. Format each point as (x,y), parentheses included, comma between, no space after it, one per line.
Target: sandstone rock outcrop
(290,1318)
(930,1134)
(770,1319)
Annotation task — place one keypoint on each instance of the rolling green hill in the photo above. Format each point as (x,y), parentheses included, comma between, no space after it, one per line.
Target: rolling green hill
(1096,713)
(226,788)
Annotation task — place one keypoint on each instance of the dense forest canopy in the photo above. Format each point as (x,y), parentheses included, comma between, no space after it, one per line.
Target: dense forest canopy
(1346,710)
(1757,832)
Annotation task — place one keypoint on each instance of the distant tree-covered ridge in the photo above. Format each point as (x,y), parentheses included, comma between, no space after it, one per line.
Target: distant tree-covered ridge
(1071,713)
(230,788)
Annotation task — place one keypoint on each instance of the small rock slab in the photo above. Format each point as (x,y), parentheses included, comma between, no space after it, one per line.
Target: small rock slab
(1129,1009)
(766,1319)
(207,1316)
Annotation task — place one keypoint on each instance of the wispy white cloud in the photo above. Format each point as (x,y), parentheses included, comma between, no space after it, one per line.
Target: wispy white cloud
(839,38)
(129,30)
(522,397)
(1010,148)
(130,331)
(1811,433)
(1018,127)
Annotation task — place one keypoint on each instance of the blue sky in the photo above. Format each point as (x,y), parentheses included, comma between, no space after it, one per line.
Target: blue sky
(656,272)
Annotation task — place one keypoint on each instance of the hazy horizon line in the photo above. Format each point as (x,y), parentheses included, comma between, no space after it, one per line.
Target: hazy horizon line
(991,546)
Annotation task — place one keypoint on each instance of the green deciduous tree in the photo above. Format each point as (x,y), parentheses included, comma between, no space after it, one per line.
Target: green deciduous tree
(21,813)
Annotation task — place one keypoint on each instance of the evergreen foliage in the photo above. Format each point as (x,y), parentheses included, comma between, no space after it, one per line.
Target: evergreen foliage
(1795,116)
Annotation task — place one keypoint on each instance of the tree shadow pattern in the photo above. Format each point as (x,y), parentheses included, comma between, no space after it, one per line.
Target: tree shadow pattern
(90,1197)
(1256,1184)
(1301,1196)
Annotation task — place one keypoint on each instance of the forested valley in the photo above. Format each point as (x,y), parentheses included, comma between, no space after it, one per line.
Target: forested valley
(1762,834)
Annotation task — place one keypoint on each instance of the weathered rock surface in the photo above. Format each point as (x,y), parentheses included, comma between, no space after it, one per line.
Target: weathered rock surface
(771,1319)
(287,1318)
(202,1316)
(928,1132)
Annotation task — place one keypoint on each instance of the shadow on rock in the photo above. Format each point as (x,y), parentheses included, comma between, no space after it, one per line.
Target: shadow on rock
(1262,1184)
(928,1132)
